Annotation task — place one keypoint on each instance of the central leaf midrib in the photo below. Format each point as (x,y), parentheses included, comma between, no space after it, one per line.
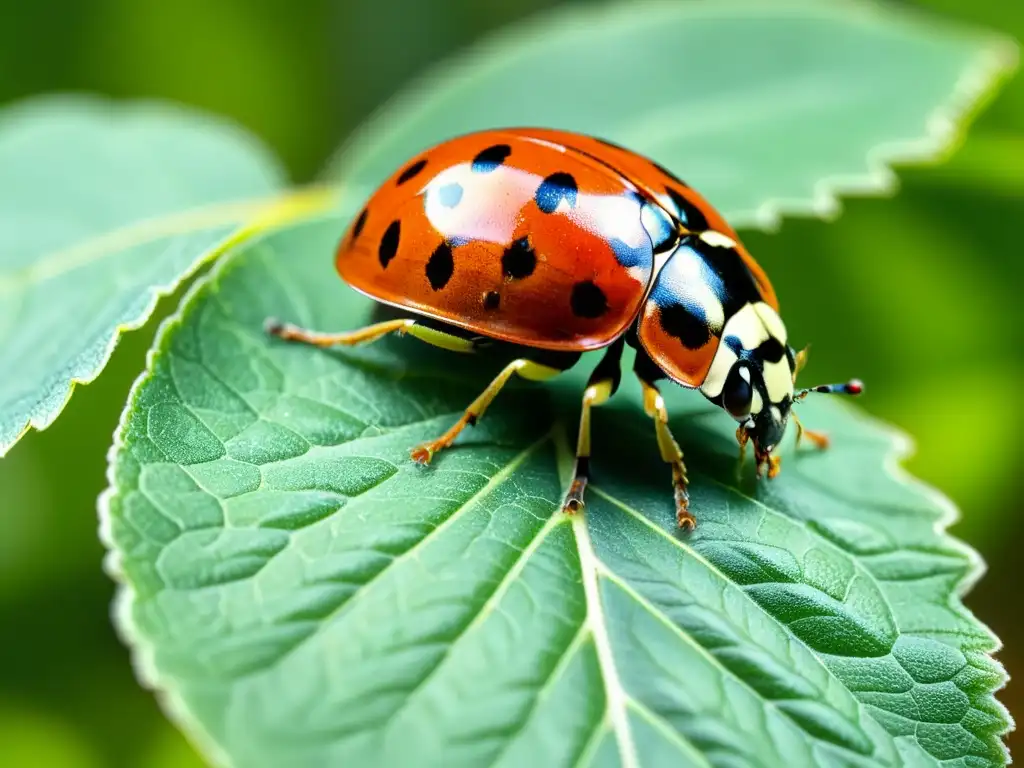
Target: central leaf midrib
(615,693)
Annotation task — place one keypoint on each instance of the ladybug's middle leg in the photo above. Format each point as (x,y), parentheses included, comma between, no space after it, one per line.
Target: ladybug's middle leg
(602,384)
(527,369)
(671,453)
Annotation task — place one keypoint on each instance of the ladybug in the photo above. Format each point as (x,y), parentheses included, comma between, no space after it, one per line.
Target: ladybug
(560,243)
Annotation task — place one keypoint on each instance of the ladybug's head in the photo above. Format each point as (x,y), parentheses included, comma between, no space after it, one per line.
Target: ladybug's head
(752,377)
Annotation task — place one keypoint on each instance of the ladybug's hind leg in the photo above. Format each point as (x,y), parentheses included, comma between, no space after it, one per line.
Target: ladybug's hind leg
(671,453)
(433,336)
(290,332)
(602,384)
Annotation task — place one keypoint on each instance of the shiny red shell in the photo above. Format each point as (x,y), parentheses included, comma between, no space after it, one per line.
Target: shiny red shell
(543,238)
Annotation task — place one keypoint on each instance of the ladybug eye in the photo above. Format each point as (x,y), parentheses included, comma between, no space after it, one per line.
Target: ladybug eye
(737,394)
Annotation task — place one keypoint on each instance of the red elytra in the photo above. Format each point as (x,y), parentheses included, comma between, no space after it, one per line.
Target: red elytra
(505,269)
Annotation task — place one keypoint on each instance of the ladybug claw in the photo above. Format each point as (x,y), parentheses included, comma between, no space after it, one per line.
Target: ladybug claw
(574,499)
(422,454)
(273,326)
(684,518)
(819,439)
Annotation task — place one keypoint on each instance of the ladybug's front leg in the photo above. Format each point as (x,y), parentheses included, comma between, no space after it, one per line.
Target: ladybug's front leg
(602,384)
(820,439)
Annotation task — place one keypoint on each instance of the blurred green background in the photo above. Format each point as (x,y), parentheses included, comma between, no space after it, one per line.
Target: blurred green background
(943,256)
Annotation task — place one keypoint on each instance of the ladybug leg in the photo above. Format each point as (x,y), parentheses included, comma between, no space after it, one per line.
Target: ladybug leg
(671,454)
(433,336)
(820,439)
(742,437)
(600,386)
(647,372)
(800,361)
(527,369)
(290,332)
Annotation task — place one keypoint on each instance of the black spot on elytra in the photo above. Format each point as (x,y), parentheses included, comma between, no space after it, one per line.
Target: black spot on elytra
(519,260)
(491,158)
(389,243)
(555,188)
(687,212)
(412,171)
(440,266)
(450,194)
(679,322)
(360,223)
(491,300)
(587,300)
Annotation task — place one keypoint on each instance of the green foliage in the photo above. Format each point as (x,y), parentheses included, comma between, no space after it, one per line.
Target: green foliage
(702,88)
(84,252)
(297,590)
(305,595)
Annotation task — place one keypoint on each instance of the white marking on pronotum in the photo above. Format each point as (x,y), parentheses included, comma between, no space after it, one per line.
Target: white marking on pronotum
(719,370)
(756,403)
(747,326)
(772,322)
(778,380)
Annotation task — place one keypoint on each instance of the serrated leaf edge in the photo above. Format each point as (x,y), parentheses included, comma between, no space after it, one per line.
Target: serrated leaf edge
(253,218)
(944,129)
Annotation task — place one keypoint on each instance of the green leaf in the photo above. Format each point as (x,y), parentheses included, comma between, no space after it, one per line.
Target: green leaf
(302,594)
(704,88)
(103,209)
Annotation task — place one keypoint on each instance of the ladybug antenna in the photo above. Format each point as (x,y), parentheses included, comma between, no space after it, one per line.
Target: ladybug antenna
(851,387)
